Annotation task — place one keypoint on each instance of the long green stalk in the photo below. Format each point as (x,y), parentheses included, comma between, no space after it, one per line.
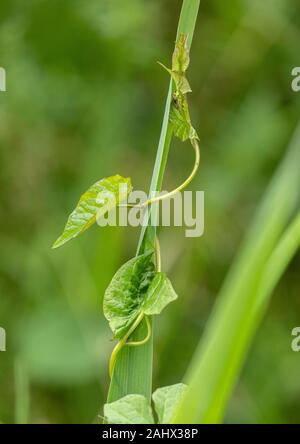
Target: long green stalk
(22,400)
(243,299)
(133,369)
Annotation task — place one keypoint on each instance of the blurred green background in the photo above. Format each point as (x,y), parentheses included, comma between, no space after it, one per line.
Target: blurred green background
(84,100)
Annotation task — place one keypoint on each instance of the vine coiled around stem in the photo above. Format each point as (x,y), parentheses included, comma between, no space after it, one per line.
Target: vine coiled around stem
(180,124)
(123,342)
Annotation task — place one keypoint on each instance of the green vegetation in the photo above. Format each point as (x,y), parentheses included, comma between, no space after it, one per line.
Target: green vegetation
(139,289)
(84,103)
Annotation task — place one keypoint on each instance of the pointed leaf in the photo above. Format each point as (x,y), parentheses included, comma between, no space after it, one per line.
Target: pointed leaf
(132,409)
(159,295)
(101,197)
(166,400)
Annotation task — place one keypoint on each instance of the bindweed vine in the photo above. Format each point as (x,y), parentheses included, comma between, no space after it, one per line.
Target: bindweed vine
(124,342)
(182,127)
(180,188)
(139,289)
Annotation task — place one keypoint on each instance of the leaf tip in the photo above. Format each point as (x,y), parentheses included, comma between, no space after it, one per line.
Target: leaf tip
(58,243)
(164,67)
(55,245)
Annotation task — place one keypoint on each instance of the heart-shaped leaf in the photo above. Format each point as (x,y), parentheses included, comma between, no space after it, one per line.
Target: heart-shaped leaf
(136,288)
(125,293)
(100,198)
(131,409)
(166,400)
(135,409)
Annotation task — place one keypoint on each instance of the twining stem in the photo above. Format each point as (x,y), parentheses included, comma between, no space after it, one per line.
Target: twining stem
(184,184)
(143,341)
(133,372)
(176,190)
(123,341)
(139,319)
(157,255)
(136,323)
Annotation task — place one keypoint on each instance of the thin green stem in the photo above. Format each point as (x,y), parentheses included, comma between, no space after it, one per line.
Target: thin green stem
(122,342)
(143,341)
(157,255)
(176,190)
(184,184)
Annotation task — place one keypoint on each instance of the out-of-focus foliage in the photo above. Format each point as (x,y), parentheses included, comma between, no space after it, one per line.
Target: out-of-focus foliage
(136,409)
(85,100)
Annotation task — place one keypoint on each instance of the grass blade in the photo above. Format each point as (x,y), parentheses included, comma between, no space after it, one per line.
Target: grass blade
(22,400)
(221,352)
(133,370)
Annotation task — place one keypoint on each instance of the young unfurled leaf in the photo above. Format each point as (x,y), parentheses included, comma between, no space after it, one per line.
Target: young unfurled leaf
(125,293)
(100,198)
(180,63)
(136,288)
(180,80)
(180,119)
(166,400)
(179,113)
(181,56)
(132,409)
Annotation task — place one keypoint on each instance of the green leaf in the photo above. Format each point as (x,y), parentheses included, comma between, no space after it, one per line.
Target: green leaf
(100,198)
(181,55)
(180,80)
(166,401)
(125,293)
(132,409)
(136,288)
(180,119)
(180,63)
(159,295)
(135,409)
